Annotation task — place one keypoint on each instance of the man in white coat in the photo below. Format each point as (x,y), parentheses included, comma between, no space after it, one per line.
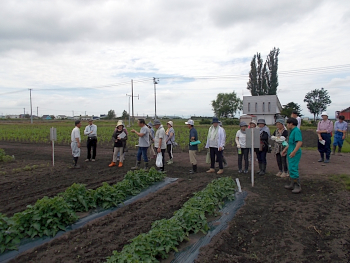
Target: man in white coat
(75,143)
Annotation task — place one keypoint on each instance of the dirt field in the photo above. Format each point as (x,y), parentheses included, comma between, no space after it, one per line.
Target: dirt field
(273,225)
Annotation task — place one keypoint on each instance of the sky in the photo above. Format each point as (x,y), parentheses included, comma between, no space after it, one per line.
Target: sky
(79,56)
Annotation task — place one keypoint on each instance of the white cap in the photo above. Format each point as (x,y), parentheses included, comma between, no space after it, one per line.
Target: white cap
(324,113)
(190,122)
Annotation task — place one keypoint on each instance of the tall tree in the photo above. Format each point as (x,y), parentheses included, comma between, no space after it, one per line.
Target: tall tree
(317,101)
(252,84)
(110,114)
(289,108)
(272,63)
(226,104)
(125,115)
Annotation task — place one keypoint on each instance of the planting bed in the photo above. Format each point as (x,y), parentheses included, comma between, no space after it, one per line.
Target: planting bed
(273,226)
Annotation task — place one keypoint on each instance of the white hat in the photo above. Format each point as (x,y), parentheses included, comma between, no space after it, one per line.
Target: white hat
(190,122)
(171,123)
(324,113)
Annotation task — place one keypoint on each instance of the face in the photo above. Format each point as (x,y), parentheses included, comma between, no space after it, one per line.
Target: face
(243,128)
(139,124)
(279,125)
(90,122)
(120,127)
(324,117)
(79,125)
(340,120)
(252,125)
(293,115)
(169,126)
(261,125)
(157,126)
(215,124)
(189,126)
(289,126)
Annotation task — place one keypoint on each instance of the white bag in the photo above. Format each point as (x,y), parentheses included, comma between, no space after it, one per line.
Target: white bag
(159,161)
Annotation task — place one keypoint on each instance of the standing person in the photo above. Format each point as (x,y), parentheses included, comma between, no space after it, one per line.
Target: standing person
(192,149)
(294,154)
(151,140)
(324,131)
(170,139)
(264,146)
(296,116)
(223,157)
(340,128)
(160,140)
(91,133)
(119,137)
(215,142)
(143,144)
(243,151)
(253,124)
(280,135)
(75,143)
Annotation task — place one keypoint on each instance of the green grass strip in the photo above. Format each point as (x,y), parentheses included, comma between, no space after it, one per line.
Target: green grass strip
(166,234)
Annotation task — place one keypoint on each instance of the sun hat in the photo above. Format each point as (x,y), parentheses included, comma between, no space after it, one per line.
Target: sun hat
(215,120)
(280,121)
(324,114)
(120,122)
(171,123)
(261,121)
(253,121)
(150,124)
(243,123)
(156,122)
(190,122)
(220,123)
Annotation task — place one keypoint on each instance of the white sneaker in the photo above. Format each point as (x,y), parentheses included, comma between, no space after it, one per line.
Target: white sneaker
(279,174)
(93,160)
(87,160)
(284,174)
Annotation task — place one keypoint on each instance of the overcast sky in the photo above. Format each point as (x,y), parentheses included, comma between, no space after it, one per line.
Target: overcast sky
(79,49)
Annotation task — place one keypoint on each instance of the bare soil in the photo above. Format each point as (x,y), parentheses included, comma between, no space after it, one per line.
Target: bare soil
(273,226)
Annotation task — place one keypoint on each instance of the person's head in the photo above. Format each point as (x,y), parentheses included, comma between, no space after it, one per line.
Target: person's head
(190,124)
(141,122)
(120,125)
(252,124)
(215,122)
(157,124)
(261,123)
(220,123)
(341,118)
(280,124)
(170,124)
(150,125)
(243,125)
(291,123)
(78,123)
(294,114)
(90,121)
(324,116)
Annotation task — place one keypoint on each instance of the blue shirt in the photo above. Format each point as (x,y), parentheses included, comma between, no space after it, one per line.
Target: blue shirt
(294,137)
(340,126)
(193,133)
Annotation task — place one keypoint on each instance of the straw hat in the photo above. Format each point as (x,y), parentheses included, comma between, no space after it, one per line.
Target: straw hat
(171,123)
(120,122)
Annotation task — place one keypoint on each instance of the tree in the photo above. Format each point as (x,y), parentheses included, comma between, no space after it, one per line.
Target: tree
(52,117)
(226,104)
(110,114)
(289,108)
(263,77)
(125,115)
(317,101)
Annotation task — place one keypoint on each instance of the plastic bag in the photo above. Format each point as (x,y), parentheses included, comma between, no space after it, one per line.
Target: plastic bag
(208,160)
(159,160)
(195,143)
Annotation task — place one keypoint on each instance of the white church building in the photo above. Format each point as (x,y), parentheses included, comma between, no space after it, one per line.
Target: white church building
(266,107)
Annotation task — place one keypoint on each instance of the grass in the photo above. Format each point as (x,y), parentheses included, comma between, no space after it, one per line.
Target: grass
(343,179)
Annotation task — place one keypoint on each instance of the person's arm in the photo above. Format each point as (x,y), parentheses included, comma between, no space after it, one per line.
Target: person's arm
(264,136)
(237,140)
(170,136)
(77,139)
(138,133)
(86,132)
(297,147)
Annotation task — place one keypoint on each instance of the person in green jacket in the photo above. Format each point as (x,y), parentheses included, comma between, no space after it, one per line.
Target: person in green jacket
(293,152)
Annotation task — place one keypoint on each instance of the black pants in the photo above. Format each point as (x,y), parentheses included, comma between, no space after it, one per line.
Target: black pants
(245,154)
(91,143)
(282,162)
(163,154)
(262,156)
(169,148)
(215,152)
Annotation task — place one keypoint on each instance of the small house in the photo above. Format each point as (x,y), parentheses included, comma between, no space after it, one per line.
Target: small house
(346,114)
(46,117)
(266,107)
(61,117)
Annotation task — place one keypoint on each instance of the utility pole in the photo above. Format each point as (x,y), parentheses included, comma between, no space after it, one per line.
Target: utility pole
(37,112)
(73,113)
(155,81)
(132,101)
(85,113)
(24,111)
(132,97)
(31,108)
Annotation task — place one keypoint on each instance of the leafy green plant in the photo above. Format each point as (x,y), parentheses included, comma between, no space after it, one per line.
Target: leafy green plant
(108,196)
(9,236)
(166,234)
(5,158)
(79,198)
(46,217)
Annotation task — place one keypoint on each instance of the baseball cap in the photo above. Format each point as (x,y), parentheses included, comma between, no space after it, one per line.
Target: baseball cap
(190,122)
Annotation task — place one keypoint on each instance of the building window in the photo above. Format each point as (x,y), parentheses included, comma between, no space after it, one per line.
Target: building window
(256,107)
(269,107)
(263,107)
(249,107)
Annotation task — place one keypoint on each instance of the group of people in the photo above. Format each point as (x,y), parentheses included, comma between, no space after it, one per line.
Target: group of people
(154,140)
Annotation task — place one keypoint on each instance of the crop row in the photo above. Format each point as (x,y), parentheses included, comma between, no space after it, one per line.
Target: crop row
(49,215)
(166,234)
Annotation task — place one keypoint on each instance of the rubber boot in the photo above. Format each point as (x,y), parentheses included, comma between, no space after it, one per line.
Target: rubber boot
(259,169)
(263,169)
(297,187)
(146,166)
(194,169)
(290,186)
(333,151)
(112,164)
(339,151)
(322,158)
(137,166)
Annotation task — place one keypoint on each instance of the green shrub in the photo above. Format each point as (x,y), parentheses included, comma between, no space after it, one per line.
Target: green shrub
(5,158)
(79,198)
(205,121)
(230,122)
(9,237)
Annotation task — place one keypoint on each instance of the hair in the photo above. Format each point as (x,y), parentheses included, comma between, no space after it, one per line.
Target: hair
(295,112)
(293,121)
(142,121)
(77,122)
(341,117)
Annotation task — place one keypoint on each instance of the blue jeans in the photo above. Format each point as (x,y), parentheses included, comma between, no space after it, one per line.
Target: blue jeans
(262,156)
(325,149)
(142,151)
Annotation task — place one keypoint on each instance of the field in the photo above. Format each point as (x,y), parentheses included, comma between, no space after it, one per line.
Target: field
(272,226)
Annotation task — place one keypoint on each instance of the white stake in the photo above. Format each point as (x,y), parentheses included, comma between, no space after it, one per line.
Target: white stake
(252,150)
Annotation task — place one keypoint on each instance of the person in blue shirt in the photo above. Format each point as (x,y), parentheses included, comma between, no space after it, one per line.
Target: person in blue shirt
(340,128)
(293,152)
(192,149)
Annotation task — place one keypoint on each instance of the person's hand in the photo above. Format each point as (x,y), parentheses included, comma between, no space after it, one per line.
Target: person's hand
(159,150)
(292,154)
(133,131)
(284,153)
(238,146)
(91,132)
(78,144)
(343,137)
(220,149)
(118,138)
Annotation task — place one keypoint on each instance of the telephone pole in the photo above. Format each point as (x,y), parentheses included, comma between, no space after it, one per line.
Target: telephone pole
(155,81)
(37,112)
(24,111)
(132,101)
(132,97)
(31,108)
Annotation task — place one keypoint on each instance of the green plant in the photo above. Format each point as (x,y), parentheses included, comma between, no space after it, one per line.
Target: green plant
(46,217)
(9,237)
(5,158)
(79,198)
(108,196)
